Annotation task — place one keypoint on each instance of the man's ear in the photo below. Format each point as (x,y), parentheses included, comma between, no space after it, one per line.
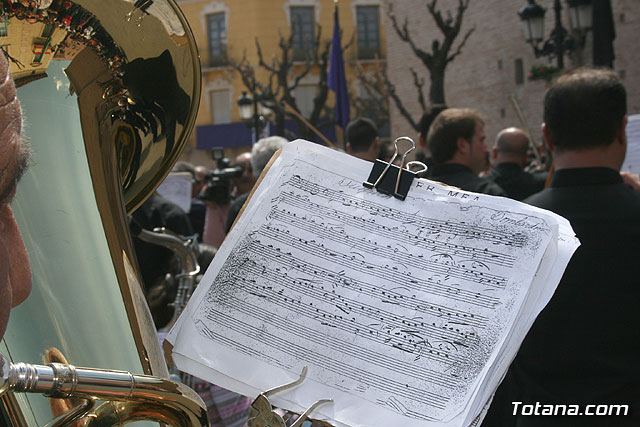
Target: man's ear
(349,149)
(547,137)
(463,146)
(374,147)
(622,131)
(494,153)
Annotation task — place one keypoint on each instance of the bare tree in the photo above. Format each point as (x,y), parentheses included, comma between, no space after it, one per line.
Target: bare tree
(373,100)
(442,53)
(284,75)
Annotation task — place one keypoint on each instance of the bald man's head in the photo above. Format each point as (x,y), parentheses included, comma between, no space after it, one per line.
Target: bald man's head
(512,145)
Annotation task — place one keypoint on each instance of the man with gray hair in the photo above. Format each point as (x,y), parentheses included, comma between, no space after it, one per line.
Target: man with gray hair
(261,153)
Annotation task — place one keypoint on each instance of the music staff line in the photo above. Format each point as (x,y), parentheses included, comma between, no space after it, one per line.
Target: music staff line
(466,230)
(398,234)
(389,275)
(301,351)
(346,370)
(341,346)
(400,408)
(249,351)
(344,281)
(452,270)
(408,336)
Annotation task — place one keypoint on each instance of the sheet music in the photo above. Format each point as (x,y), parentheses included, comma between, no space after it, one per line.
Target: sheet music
(397,308)
(632,160)
(176,187)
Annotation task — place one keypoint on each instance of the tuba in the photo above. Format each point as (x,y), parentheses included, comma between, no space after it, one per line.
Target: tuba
(109,91)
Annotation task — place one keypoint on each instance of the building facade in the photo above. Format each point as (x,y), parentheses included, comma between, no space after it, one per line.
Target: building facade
(228,31)
(491,72)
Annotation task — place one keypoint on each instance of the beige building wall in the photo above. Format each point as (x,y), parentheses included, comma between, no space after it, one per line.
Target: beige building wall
(483,75)
(23,41)
(265,20)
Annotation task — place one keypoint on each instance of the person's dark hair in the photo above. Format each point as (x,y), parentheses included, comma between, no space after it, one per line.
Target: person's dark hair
(386,150)
(205,255)
(361,133)
(584,108)
(183,166)
(448,126)
(160,297)
(428,117)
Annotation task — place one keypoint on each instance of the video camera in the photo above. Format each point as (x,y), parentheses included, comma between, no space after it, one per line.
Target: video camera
(219,186)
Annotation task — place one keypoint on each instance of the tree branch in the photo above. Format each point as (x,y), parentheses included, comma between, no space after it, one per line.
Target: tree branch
(419,84)
(261,61)
(437,16)
(391,89)
(461,45)
(403,33)
(350,42)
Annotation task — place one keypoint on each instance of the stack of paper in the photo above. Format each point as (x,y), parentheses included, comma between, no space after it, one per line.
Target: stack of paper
(405,312)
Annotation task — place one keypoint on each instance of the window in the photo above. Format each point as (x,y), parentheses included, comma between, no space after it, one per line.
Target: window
(3,26)
(217,39)
(303,31)
(42,44)
(519,68)
(221,106)
(368,32)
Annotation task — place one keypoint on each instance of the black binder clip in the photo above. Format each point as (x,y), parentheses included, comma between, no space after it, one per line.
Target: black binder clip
(388,178)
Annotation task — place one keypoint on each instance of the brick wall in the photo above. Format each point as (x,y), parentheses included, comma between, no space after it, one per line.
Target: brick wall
(483,75)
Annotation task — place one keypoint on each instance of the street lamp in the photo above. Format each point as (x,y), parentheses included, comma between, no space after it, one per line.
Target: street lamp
(559,41)
(580,14)
(248,108)
(244,105)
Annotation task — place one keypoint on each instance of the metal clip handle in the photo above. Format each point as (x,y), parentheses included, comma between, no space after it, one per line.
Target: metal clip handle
(262,415)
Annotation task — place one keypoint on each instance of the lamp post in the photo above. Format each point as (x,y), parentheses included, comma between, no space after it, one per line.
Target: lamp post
(254,113)
(559,41)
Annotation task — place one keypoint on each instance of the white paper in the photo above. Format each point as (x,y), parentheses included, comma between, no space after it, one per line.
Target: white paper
(404,311)
(632,160)
(176,187)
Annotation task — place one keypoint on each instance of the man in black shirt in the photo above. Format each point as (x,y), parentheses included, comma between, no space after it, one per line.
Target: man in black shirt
(584,347)
(509,159)
(457,143)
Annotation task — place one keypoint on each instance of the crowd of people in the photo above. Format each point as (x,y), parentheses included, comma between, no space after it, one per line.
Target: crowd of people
(215,204)
(582,349)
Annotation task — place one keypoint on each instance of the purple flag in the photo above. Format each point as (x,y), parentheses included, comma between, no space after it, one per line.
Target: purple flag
(337,81)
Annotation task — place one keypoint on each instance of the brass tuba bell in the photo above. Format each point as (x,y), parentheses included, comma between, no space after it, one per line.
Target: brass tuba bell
(109,91)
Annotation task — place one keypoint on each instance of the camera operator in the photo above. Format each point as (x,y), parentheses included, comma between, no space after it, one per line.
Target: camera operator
(217,198)
(244,183)
(261,153)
